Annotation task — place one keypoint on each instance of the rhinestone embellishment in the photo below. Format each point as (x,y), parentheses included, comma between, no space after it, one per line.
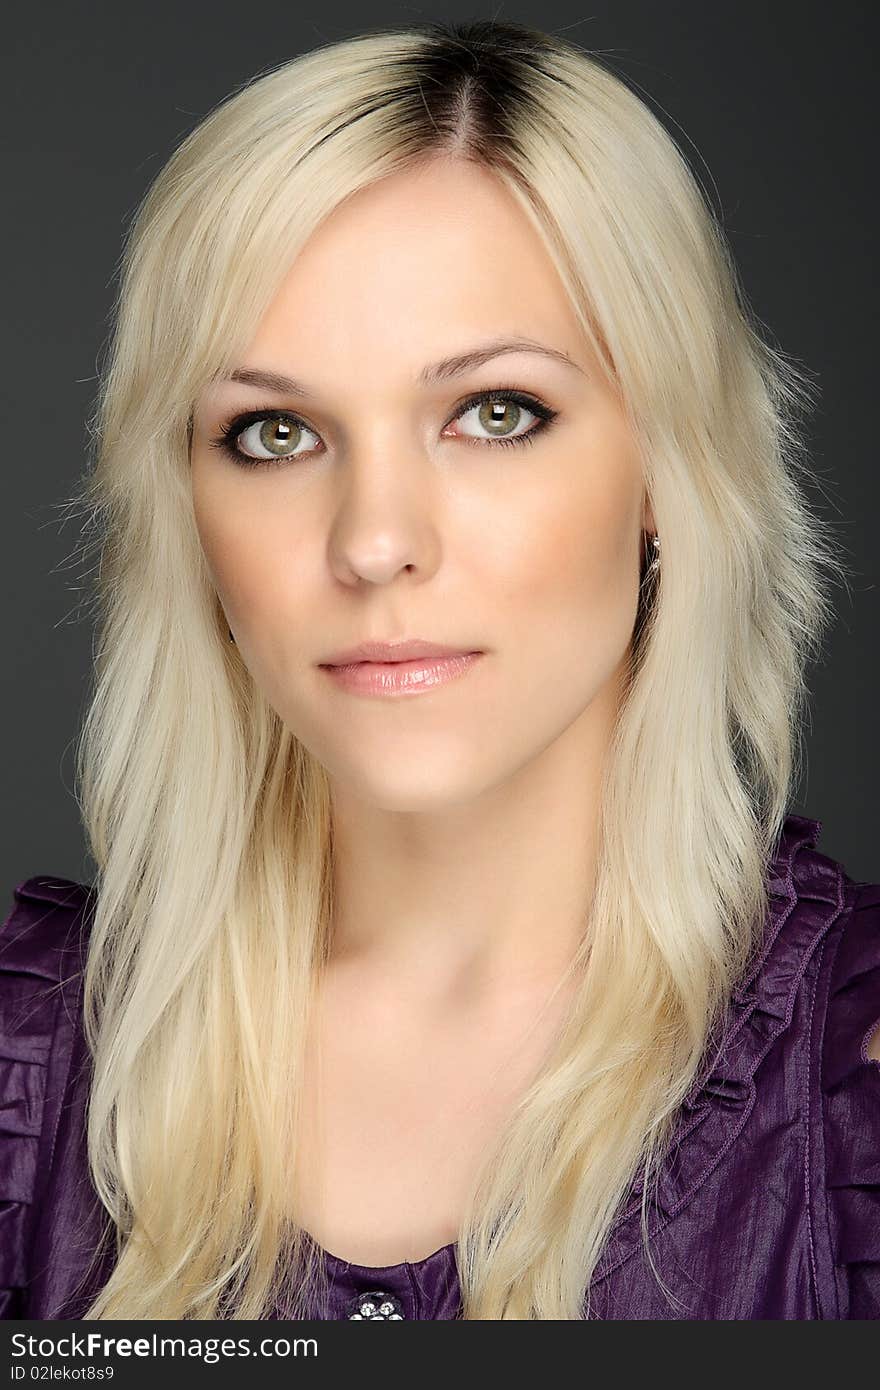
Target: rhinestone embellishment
(375,1306)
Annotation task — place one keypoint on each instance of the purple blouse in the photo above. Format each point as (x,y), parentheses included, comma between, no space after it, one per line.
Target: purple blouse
(769,1198)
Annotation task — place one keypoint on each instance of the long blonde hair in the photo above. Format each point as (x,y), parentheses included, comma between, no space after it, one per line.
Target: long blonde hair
(210,823)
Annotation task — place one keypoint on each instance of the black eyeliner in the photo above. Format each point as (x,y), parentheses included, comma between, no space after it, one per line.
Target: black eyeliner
(232,428)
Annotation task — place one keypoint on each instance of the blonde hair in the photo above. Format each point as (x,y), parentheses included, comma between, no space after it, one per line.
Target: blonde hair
(210,823)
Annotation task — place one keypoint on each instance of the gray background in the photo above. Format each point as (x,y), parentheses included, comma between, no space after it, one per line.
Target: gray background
(774,105)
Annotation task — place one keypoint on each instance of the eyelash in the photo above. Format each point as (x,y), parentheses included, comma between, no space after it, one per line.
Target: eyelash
(229,432)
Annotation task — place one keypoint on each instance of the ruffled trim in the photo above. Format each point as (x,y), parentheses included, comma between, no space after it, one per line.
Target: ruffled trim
(719,1103)
(851,1102)
(40,946)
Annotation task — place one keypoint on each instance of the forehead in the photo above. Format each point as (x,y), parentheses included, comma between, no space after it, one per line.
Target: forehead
(415,267)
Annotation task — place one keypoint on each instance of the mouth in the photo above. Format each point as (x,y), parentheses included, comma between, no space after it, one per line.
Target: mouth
(397,650)
(401,676)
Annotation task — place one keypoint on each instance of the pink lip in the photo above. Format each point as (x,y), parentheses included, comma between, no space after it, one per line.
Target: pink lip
(404,649)
(413,677)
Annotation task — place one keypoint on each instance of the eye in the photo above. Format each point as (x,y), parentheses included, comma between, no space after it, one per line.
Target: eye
(267,438)
(501,414)
(264,437)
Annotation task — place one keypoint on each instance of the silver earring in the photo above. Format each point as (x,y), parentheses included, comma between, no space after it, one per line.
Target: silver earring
(655,563)
(231,638)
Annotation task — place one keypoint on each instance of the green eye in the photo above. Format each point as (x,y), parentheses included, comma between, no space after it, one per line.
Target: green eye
(499,416)
(266,438)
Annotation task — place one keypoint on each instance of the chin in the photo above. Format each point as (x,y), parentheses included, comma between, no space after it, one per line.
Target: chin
(417,784)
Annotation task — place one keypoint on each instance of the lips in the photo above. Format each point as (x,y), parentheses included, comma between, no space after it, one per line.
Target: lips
(406,649)
(414,676)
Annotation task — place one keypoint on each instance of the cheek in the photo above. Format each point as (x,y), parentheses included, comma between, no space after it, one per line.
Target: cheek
(247,548)
(568,565)
(216,534)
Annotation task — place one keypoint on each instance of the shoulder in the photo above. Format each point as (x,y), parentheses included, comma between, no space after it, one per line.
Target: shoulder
(43,941)
(846,1052)
(837,922)
(803,1022)
(42,945)
(848,1007)
(854,995)
(820,951)
(822,914)
(45,927)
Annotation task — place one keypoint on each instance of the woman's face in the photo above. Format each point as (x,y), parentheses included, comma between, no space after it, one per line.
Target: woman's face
(398,509)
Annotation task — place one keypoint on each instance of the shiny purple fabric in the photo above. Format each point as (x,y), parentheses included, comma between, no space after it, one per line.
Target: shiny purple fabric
(769,1200)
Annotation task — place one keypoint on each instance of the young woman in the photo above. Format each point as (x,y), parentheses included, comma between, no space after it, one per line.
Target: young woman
(454,950)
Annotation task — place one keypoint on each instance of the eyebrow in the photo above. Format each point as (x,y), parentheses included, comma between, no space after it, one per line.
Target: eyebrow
(444,370)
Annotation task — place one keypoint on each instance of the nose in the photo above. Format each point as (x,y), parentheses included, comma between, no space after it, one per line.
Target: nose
(385,517)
